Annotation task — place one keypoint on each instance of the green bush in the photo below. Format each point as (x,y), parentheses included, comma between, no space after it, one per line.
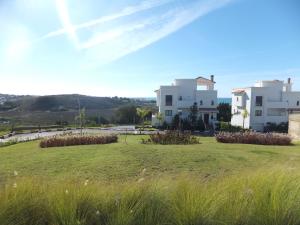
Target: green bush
(259,198)
(226,126)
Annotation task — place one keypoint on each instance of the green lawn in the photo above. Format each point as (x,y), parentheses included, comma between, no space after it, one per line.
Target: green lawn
(124,162)
(216,184)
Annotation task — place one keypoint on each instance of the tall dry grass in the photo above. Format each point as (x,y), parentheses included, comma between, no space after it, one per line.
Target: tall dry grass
(260,198)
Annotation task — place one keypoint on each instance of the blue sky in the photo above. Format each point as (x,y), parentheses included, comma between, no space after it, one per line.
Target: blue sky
(129,48)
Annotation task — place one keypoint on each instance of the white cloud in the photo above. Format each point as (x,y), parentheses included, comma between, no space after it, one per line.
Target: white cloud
(134,33)
(161,26)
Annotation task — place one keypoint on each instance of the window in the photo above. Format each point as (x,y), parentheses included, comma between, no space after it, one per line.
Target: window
(180,98)
(169,100)
(212,102)
(237,99)
(258,112)
(212,116)
(259,101)
(298,103)
(201,102)
(168,113)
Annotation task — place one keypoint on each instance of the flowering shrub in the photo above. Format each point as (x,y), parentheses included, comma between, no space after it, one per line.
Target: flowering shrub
(172,138)
(77,140)
(254,138)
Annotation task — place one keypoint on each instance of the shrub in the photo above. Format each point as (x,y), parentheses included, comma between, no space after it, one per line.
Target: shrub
(254,138)
(58,141)
(273,127)
(226,126)
(200,125)
(172,138)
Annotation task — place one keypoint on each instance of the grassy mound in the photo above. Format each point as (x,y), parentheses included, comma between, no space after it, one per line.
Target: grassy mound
(260,198)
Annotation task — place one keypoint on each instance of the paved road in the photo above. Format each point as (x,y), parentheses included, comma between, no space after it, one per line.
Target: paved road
(110,130)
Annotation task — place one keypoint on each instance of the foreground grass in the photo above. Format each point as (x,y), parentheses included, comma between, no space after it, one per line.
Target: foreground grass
(253,198)
(124,162)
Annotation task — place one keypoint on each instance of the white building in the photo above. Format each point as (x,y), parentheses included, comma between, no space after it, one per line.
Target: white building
(180,96)
(267,101)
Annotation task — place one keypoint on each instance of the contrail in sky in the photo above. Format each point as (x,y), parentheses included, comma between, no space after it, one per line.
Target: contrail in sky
(130,10)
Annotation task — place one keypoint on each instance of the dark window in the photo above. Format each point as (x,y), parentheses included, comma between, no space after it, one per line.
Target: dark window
(168,113)
(201,102)
(259,101)
(237,99)
(298,103)
(258,112)
(180,98)
(169,100)
(212,117)
(212,102)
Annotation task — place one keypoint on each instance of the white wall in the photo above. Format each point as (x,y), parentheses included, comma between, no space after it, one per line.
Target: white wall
(168,90)
(292,98)
(207,97)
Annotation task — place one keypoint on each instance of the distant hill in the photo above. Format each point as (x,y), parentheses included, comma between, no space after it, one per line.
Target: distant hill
(52,108)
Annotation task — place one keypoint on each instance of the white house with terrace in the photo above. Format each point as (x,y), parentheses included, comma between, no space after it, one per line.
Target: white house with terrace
(267,101)
(182,94)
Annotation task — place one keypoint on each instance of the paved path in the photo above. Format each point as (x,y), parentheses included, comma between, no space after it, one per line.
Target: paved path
(110,130)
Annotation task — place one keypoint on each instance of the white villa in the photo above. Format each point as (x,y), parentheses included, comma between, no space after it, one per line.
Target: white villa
(180,96)
(266,101)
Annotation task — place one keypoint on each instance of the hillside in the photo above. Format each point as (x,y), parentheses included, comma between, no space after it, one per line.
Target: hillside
(35,110)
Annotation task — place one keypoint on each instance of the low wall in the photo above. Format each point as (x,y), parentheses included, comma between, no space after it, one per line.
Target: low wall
(294,126)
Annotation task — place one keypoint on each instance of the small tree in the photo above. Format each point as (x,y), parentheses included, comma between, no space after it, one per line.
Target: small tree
(81,118)
(175,122)
(142,113)
(160,118)
(245,114)
(224,114)
(126,114)
(200,124)
(193,115)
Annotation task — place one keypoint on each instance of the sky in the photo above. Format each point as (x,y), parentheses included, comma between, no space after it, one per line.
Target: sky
(128,48)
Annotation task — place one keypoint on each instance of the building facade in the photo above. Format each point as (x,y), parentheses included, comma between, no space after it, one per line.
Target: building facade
(265,102)
(184,93)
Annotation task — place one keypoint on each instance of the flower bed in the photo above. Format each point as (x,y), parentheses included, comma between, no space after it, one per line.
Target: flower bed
(172,138)
(254,138)
(77,140)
